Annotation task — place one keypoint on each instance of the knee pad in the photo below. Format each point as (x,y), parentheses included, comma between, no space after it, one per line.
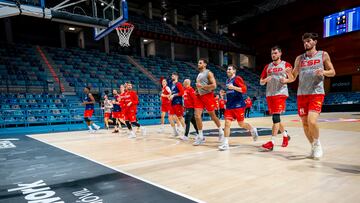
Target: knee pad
(87,119)
(276,118)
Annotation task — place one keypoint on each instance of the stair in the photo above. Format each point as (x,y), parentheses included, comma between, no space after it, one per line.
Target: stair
(143,70)
(203,35)
(56,74)
(173,29)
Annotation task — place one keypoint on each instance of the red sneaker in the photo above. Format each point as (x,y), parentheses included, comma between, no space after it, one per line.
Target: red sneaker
(268,146)
(285,141)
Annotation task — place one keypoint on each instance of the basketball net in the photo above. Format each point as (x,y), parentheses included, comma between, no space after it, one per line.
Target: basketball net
(124,31)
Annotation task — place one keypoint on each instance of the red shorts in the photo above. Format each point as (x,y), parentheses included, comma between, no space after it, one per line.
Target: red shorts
(165,108)
(177,110)
(276,104)
(88,113)
(232,114)
(107,115)
(116,114)
(206,101)
(130,115)
(308,103)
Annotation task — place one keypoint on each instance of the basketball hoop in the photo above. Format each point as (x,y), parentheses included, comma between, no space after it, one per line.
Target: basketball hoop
(124,31)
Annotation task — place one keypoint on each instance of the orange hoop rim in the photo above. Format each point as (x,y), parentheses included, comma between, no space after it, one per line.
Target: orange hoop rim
(125,26)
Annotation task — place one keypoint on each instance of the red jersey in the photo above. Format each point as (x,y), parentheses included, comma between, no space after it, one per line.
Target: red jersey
(222,103)
(130,96)
(248,103)
(165,100)
(217,104)
(122,98)
(189,97)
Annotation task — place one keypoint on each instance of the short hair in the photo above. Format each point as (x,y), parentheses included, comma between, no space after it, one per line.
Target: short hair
(204,60)
(232,66)
(276,47)
(311,35)
(175,73)
(88,87)
(129,82)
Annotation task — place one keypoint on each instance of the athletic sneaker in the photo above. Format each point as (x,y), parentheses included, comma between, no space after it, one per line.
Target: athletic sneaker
(224,147)
(96,127)
(254,134)
(199,141)
(268,146)
(91,131)
(184,138)
(318,153)
(131,135)
(285,141)
(115,131)
(221,135)
(311,155)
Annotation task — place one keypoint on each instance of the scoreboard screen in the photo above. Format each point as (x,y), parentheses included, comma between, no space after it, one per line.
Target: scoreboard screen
(342,22)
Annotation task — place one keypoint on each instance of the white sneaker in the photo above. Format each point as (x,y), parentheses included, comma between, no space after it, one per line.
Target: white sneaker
(224,147)
(91,131)
(131,135)
(199,141)
(184,138)
(180,130)
(143,131)
(318,152)
(96,127)
(254,134)
(311,155)
(221,135)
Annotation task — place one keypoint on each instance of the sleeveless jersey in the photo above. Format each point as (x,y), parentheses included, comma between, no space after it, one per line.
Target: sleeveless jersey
(88,106)
(164,100)
(202,78)
(309,82)
(274,86)
(116,107)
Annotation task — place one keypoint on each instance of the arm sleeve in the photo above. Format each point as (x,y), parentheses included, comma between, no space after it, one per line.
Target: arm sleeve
(180,88)
(264,73)
(240,83)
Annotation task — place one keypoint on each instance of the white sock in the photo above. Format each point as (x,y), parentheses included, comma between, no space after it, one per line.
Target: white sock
(220,129)
(95,125)
(226,141)
(316,141)
(284,134)
(201,136)
(273,139)
(90,128)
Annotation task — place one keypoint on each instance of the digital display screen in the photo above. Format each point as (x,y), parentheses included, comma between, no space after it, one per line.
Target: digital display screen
(342,22)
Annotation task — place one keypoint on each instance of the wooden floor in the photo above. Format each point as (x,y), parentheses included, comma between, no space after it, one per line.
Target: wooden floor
(242,174)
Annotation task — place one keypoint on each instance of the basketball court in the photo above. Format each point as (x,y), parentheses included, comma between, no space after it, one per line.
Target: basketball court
(159,167)
(55,54)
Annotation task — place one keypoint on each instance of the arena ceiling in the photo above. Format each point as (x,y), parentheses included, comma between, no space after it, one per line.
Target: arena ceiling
(226,11)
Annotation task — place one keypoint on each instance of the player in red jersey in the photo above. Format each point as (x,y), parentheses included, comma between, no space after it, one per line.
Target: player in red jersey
(312,67)
(248,103)
(274,75)
(166,106)
(222,103)
(130,107)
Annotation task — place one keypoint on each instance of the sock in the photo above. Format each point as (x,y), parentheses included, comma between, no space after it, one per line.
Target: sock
(226,140)
(95,126)
(220,129)
(201,136)
(273,139)
(316,142)
(284,134)
(90,128)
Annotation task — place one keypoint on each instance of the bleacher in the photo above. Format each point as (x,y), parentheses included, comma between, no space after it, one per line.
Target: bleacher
(20,68)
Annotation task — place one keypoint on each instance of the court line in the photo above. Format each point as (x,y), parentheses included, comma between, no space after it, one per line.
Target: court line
(126,173)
